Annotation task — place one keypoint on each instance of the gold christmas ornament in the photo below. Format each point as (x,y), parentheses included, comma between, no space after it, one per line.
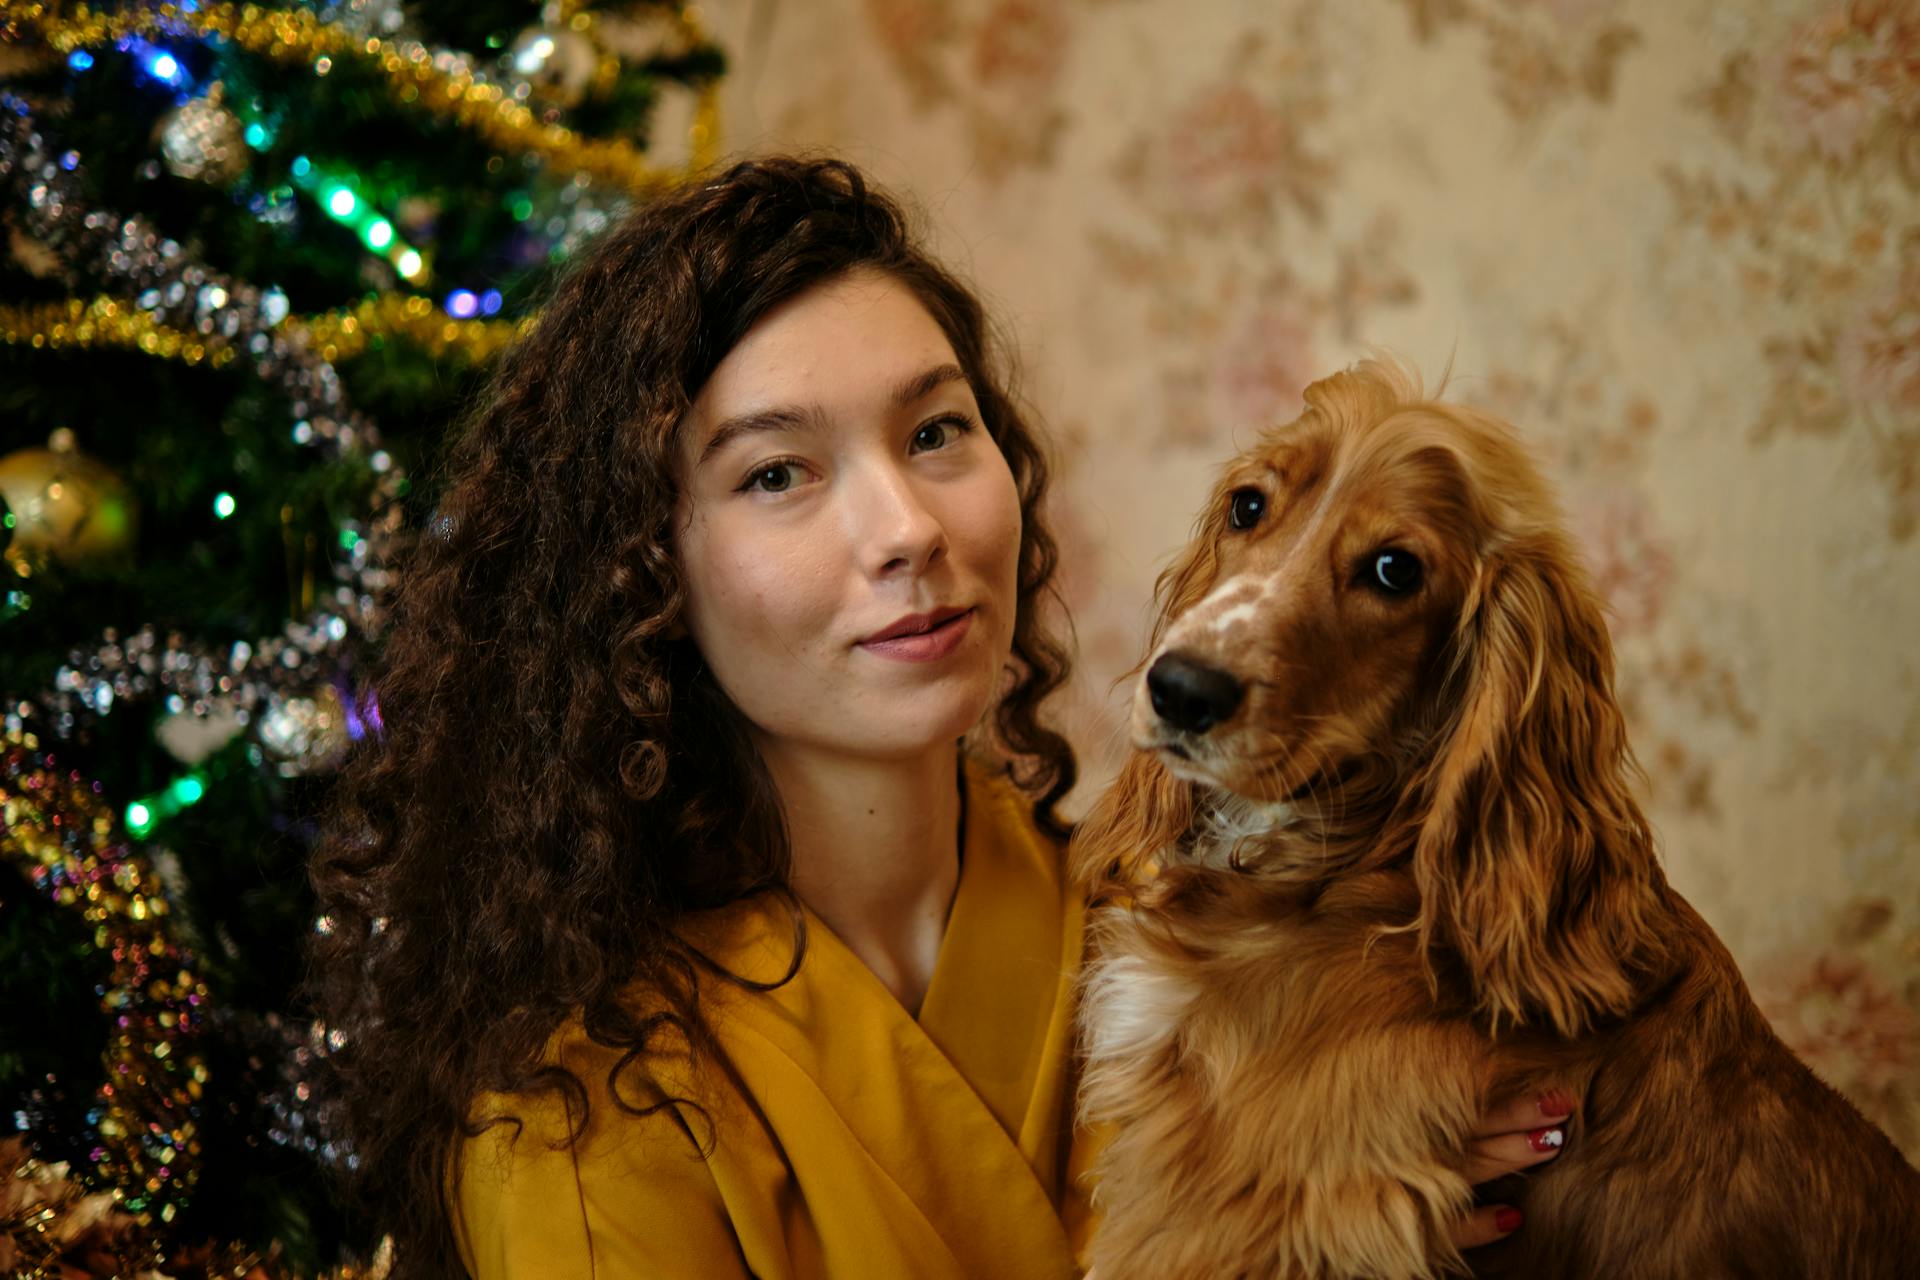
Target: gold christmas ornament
(66,507)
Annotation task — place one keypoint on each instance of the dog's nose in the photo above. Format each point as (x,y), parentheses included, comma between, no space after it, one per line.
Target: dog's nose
(1191,695)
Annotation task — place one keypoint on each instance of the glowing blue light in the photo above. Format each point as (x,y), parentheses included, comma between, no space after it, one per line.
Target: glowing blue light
(164,67)
(302,166)
(490,302)
(461,304)
(79,60)
(258,137)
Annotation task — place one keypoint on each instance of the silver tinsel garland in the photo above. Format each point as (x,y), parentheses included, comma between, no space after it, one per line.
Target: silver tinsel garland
(128,257)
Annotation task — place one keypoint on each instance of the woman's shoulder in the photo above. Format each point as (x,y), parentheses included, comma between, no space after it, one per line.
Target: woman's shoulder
(531,1166)
(578,1076)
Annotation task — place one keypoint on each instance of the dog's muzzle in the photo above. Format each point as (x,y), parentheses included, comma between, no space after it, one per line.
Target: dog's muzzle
(1190,695)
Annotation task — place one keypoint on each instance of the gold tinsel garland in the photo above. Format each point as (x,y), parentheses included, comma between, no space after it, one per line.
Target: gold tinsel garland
(56,827)
(297,36)
(334,335)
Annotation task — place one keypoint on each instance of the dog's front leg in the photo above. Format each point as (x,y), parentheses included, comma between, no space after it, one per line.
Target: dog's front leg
(1337,1162)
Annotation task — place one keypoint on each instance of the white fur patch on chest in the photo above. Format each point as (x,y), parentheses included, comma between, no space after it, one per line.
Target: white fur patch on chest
(1131,1007)
(1132,1000)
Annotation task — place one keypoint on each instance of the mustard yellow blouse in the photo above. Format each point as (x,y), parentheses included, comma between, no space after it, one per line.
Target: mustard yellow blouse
(853,1139)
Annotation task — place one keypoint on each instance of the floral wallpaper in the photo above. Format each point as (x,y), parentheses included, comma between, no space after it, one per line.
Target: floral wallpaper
(1676,241)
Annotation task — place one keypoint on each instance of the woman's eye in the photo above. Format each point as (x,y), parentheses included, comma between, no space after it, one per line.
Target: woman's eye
(1245,507)
(1394,572)
(938,434)
(776,477)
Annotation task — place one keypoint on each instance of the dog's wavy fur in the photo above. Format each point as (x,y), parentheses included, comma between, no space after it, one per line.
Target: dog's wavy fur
(1408,881)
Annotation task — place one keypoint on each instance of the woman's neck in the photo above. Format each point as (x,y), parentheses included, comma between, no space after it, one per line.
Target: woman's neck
(876,854)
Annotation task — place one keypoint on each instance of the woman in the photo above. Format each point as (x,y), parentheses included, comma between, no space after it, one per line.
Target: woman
(673,929)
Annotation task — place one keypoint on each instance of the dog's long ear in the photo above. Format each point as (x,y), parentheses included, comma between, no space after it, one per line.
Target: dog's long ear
(1142,814)
(1534,861)
(1147,809)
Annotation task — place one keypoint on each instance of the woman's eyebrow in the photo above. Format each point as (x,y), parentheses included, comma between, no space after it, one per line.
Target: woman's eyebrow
(922,383)
(812,417)
(778,418)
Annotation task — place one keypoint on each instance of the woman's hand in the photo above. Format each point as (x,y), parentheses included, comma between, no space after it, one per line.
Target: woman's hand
(1518,1136)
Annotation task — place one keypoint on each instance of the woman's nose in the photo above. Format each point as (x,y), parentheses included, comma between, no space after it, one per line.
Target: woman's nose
(899,531)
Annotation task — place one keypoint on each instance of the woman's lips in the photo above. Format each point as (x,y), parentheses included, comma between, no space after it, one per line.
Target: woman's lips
(924,646)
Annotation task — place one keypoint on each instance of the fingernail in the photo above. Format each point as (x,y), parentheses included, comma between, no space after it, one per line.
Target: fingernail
(1551,1138)
(1507,1219)
(1556,1104)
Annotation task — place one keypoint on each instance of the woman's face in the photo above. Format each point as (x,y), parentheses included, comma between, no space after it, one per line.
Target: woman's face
(849,532)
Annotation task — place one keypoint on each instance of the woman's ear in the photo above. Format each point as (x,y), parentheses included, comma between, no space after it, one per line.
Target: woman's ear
(1535,865)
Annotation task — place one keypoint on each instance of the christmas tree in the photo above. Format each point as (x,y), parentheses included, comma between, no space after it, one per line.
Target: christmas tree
(256,258)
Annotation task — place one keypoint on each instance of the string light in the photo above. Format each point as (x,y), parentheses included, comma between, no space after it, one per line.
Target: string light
(148,812)
(335,193)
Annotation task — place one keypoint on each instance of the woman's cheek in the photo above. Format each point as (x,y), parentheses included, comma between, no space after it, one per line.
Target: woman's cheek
(1005,534)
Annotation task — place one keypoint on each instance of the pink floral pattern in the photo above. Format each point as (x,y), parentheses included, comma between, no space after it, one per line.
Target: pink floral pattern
(1228,153)
(996,63)
(1849,72)
(1542,54)
(1847,1023)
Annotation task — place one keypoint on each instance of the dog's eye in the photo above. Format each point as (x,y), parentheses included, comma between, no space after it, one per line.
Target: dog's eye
(1395,572)
(1245,507)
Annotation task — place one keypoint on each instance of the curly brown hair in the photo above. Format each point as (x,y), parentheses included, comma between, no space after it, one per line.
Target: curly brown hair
(554,784)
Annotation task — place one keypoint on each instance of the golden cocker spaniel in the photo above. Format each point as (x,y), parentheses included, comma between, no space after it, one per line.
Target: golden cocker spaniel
(1375,866)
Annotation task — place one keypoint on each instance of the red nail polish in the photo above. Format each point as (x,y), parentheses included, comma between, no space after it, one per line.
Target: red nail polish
(1556,1104)
(1506,1220)
(1551,1138)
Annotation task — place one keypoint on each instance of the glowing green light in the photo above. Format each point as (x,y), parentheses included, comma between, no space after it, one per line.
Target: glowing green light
(257,137)
(188,789)
(341,203)
(379,233)
(223,505)
(409,264)
(301,166)
(522,208)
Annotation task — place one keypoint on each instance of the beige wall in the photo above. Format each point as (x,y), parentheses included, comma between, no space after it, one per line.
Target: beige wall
(1675,241)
